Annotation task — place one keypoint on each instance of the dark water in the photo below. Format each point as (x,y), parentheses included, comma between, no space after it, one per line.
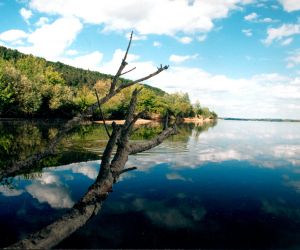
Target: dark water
(235,185)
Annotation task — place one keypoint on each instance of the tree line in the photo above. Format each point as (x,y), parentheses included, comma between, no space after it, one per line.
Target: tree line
(33,87)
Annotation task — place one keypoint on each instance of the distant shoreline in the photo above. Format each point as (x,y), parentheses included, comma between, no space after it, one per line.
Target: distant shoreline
(258,119)
(145,121)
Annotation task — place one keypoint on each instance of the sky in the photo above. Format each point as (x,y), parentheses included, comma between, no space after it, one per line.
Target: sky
(240,58)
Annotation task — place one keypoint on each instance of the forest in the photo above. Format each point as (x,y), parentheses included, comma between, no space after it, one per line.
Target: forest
(34,87)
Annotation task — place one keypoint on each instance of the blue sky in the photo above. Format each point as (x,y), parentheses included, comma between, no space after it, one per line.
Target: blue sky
(240,58)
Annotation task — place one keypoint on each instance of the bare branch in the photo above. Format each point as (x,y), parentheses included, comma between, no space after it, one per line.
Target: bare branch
(131,109)
(105,161)
(159,70)
(122,66)
(101,113)
(128,71)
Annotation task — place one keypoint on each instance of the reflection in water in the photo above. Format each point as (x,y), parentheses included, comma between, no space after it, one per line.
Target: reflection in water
(236,185)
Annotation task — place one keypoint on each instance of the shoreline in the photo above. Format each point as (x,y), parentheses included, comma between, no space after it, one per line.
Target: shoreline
(146,121)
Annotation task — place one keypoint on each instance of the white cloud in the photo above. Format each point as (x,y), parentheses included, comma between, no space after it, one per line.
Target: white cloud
(90,61)
(268,93)
(185,39)
(146,17)
(267,20)
(251,17)
(13,35)
(290,5)
(157,44)
(293,59)
(180,59)
(71,52)
(111,66)
(42,21)
(136,37)
(287,41)
(26,14)
(286,30)
(247,32)
(51,40)
(202,38)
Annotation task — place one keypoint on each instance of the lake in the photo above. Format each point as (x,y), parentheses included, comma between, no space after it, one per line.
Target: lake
(234,184)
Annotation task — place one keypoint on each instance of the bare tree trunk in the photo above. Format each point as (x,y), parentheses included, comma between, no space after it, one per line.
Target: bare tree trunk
(114,89)
(91,202)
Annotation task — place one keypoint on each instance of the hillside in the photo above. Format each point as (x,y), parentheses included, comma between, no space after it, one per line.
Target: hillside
(34,87)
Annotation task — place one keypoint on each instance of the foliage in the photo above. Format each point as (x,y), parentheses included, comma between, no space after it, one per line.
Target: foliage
(32,86)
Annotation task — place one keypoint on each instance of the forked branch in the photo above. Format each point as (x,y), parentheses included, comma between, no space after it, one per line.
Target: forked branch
(33,159)
(90,203)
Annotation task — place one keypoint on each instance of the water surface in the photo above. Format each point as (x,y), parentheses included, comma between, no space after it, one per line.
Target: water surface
(234,185)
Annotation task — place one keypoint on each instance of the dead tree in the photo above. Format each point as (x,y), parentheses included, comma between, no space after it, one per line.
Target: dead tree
(114,89)
(110,170)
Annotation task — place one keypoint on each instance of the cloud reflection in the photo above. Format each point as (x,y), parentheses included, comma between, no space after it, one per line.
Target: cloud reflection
(6,191)
(55,195)
(263,144)
(176,176)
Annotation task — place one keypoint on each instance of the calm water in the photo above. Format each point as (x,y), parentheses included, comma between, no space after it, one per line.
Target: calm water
(234,185)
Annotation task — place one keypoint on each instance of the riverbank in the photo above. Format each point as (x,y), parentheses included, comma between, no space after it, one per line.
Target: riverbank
(145,121)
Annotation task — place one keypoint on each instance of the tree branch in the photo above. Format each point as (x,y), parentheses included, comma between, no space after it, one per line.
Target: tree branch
(101,113)
(159,70)
(128,71)
(122,66)
(90,203)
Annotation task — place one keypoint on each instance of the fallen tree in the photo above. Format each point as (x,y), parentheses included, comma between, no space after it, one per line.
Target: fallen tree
(116,86)
(110,170)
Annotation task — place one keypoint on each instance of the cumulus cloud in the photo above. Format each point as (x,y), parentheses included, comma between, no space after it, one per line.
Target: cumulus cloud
(51,40)
(13,35)
(26,14)
(285,30)
(136,37)
(287,41)
(89,61)
(185,39)
(202,38)
(247,32)
(180,59)
(251,17)
(227,96)
(71,52)
(146,17)
(290,5)
(293,59)
(42,21)
(157,44)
